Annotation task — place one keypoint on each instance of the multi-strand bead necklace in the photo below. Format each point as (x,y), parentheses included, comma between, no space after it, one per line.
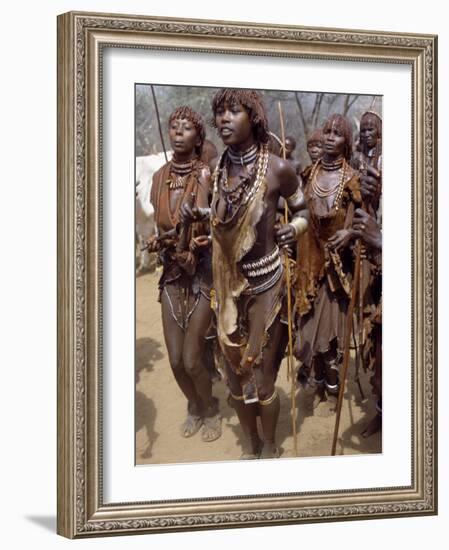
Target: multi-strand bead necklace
(247,186)
(180,171)
(322,192)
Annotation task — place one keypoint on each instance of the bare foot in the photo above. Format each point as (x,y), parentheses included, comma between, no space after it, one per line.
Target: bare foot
(311,397)
(253,451)
(373,426)
(319,396)
(269,450)
(326,408)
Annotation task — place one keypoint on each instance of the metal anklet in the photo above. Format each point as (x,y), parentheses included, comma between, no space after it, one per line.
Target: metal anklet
(269,400)
(333,388)
(236,397)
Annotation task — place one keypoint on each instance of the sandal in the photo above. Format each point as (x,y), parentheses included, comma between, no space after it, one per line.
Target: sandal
(191,425)
(211,428)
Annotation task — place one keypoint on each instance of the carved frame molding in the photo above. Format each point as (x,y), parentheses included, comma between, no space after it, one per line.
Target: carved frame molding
(81,38)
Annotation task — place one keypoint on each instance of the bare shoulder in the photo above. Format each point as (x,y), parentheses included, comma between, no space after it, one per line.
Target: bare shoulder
(284,175)
(281,167)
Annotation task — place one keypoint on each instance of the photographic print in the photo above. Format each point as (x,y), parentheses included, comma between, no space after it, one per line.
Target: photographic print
(268,386)
(246,279)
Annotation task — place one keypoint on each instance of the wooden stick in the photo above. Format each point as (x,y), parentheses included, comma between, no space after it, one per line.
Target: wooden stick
(361,337)
(289,308)
(159,123)
(348,327)
(357,363)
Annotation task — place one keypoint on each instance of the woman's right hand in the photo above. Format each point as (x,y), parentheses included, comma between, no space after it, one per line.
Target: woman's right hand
(365,226)
(370,184)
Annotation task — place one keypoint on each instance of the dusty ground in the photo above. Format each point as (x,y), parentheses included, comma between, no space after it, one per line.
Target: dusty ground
(161,407)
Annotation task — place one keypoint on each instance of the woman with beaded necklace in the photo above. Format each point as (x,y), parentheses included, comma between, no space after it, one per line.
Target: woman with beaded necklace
(323,286)
(184,252)
(247,269)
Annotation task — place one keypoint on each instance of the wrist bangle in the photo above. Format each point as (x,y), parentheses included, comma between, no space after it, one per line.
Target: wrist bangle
(299,224)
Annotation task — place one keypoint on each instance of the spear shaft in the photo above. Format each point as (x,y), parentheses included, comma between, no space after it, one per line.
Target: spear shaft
(348,328)
(159,122)
(289,306)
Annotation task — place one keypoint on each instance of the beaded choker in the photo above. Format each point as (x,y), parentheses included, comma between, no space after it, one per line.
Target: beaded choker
(247,157)
(334,165)
(180,171)
(181,168)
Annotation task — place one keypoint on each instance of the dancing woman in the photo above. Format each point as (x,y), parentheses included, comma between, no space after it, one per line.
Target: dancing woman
(332,192)
(184,251)
(247,269)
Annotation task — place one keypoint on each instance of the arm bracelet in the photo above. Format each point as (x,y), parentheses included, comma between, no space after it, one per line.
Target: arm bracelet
(295,198)
(299,224)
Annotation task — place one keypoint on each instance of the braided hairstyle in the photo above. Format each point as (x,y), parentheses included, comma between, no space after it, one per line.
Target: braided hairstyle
(252,102)
(344,126)
(316,135)
(185,112)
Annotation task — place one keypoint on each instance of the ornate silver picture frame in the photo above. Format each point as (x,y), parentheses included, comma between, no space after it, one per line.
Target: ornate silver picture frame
(83,468)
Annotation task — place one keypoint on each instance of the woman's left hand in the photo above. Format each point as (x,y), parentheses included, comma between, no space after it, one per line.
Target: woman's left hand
(340,239)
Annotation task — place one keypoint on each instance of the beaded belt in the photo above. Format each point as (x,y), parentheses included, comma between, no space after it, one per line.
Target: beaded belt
(264,265)
(266,284)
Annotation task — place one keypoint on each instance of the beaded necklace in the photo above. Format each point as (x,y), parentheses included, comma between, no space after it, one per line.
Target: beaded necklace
(322,192)
(247,157)
(333,165)
(180,171)
(183,172)
(245,189)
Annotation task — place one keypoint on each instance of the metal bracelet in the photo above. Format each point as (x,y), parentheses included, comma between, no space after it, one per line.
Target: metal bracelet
(294,197)
(299,224)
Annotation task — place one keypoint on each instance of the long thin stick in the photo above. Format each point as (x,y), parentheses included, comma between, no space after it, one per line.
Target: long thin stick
(349,319)
(159,122)
(357,363)
(361,338)
(289,307)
